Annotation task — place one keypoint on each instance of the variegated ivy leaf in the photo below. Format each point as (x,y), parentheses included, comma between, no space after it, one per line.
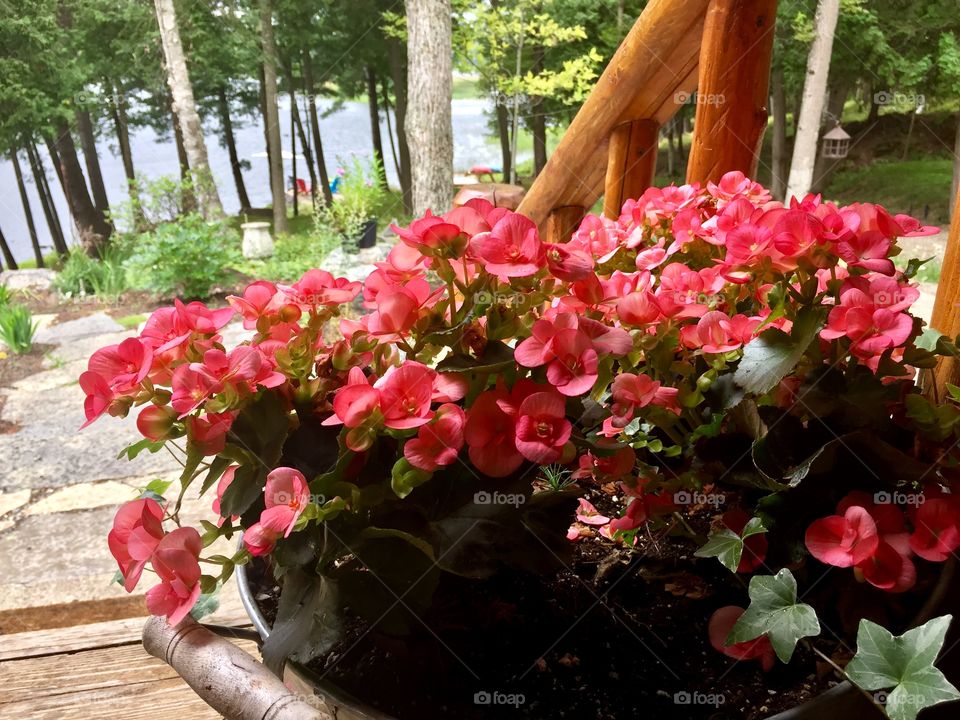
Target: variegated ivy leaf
(904,663)
(727,547)
(775,612)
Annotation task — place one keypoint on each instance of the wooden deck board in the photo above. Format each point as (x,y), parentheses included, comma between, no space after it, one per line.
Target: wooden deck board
(95,671)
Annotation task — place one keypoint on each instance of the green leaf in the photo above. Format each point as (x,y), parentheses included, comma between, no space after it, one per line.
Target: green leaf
(774,353)
(775,612)
(405,477)
(727,546)
(904,663)
(131,451)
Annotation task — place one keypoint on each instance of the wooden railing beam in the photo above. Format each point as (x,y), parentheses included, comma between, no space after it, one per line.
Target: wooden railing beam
(732,92)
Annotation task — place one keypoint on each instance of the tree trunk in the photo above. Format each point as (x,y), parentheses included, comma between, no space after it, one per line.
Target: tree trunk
(88,142)
(955,186)
(874,115)
(227,126)
(93,229)
(814,89)
(538,123)
(671,151)
(274,148)
(179,81)
(386,113)
(311,91)
(374,106)
(46,199)
(298,127)
(503,130)
(293,153)
(118,110)
(7,255)
(188,191)
(824,167)
(428,123)
(906,141)
(27,211)
(398,69)
(778,103)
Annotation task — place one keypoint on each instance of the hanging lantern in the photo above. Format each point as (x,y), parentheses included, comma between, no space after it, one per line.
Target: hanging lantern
(836,144)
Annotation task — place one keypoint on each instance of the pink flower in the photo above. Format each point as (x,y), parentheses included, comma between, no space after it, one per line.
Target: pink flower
(542,427)
(716,332)
(571,348)
(123,366)
(176,562)
(137,530)
(286,496)
(631,392)
(644,506)
(719,628)
(490,432)
(405,395)
(936,531)
(318,288)
(588,514)
(259,540)
(263,305)
(843,540)
(99,397)
(398,307)
(209,432)
(438,442)
(155,422)
(222,486)
(436,236)
(512,248)
(638,308)
(568,263)
(869,314)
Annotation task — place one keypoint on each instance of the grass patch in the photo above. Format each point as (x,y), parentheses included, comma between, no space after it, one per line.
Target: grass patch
(131,322)
(917,187)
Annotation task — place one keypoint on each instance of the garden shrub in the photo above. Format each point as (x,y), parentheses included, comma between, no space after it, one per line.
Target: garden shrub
(188,257)
(105,277)
(17,328)
(361,193)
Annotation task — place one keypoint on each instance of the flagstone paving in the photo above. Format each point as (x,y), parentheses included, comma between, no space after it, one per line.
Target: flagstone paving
(60,486)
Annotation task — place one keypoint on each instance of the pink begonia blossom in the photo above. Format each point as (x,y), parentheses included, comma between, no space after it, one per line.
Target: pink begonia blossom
(286,496)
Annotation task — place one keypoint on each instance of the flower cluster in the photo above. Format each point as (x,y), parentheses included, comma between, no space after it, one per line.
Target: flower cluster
(617,362)
(873,538)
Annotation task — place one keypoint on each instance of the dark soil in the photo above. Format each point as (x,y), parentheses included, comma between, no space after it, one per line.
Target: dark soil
(620,634)
(16,367)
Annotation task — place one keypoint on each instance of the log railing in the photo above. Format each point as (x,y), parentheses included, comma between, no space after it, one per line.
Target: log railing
(610,148)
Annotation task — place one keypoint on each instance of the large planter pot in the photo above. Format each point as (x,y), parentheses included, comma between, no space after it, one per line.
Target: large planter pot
(841,702)
(368,238)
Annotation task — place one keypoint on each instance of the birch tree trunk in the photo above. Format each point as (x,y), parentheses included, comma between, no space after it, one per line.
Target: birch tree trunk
(428,122)
(183,104)
(778,104)
(811,108)
(274,149)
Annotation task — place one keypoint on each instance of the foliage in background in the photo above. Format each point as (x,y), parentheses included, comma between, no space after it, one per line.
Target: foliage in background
(105,277)
(361,193)
(17,328)
(189,257)
(156,201)
(5,296)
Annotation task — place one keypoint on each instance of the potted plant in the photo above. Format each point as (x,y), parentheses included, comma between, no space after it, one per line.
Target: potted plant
(675,465)
(353,210)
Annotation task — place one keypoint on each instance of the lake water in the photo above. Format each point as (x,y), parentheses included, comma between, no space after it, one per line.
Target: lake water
(344,132)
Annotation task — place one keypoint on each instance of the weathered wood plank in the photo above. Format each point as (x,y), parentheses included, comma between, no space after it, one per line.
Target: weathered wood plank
(631,163)
(732,92)
(659,31)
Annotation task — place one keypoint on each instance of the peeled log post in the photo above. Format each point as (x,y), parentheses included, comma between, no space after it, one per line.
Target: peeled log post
(561,222)
(732,93)
(631,163)
(946,307)
(229,680)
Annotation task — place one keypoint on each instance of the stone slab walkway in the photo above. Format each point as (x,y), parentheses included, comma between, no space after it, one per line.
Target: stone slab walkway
(60,487)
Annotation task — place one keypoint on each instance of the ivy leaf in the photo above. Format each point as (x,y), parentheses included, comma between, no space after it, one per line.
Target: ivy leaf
(905,663)
(131,451)
(727,547)
(774,353)
(775,612)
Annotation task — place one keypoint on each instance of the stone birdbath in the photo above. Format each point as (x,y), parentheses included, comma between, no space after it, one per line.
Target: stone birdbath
(257,241)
